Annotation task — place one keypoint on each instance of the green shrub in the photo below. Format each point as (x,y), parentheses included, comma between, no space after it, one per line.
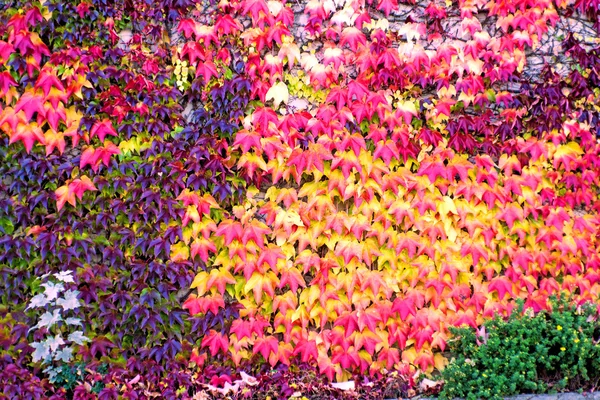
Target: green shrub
(527,353)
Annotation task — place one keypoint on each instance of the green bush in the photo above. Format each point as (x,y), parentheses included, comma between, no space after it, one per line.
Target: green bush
(546,352)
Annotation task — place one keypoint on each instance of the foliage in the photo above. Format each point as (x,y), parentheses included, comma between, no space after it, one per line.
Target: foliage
(57,302)
(549,351)
(304,382)
(339,182)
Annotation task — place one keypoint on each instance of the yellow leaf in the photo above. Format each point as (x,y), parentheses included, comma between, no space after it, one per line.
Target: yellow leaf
(200,282)
(569,149)
(439,361)
(179,252)
(409,354)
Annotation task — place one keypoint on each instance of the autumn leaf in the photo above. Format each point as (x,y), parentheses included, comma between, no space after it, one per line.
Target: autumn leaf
(102,128)
(30,102)
(29,134)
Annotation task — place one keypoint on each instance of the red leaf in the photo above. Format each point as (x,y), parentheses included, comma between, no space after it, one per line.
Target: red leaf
(261,118)
(230,230)
(241,328)
(100,346)
(215,342)
(102,128)
(423,336)
(346,358)
(247,139)
(391,356)
(502,285)
(225,24)
(28,134)
(219,278)
(352,37)
(387,6)
(404,307)
(47,80)
(349,321)
(6,49)
(206,70)
(187,26)
(254,8)
(76,188)
(6,82)
(201,246)
(265,346)
(307,349)
(30,103)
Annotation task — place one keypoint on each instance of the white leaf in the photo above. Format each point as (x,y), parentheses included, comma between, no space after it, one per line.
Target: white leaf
(39,300)
(55,342)
(64,355)
(248,380)
(298,104)
(274,7)
(65,276)
(348,385)
(52,372)
(48,320)
(70,302)
(42,351)
(73,321)
(52,289)
(78,337)
(278,93)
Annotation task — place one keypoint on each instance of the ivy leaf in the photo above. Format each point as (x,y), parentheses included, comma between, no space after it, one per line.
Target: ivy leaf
(55,342)
(215,342)
(100,346)
(278,93)
(566,155)
(230,230)
(69,192)
(51,290)
(201,247)
(48,320)
(65,276)
(6,49)
(73,321)
(352,36)
(502,285)
(64,355)
(103,128)
(42,351)
(70,301)
(28,134)
(30,102)
(47,80)
(78,337)
(39,300)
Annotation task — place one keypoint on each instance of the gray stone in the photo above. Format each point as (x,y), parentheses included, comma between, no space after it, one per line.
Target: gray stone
(545,397)
(572,396)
